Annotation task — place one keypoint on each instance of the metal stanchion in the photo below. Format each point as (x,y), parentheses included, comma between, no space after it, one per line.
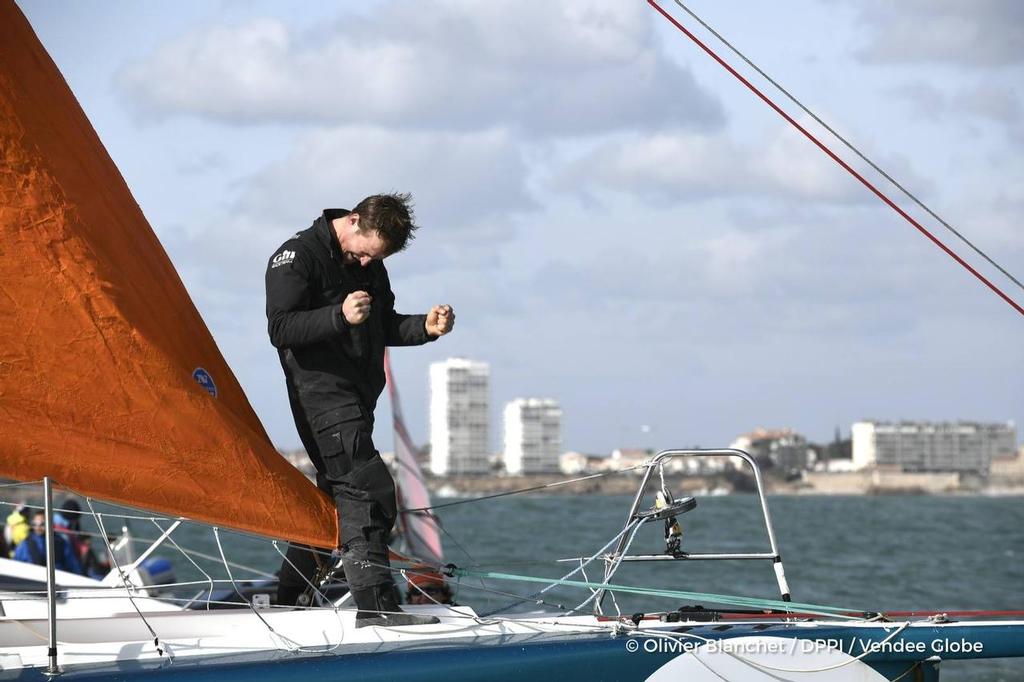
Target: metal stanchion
(52,669)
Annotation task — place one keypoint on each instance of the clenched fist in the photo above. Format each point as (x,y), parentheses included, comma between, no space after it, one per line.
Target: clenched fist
(356,307)
(440,320)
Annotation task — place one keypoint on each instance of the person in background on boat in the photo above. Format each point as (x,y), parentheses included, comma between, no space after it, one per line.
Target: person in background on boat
(33,548)
(69,522)
(427,586)
(330,314)
(17,528)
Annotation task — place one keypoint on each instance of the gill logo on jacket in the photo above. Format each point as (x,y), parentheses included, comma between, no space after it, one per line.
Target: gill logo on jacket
(282,258)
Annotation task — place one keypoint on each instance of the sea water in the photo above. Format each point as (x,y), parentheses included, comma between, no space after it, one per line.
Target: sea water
(861,553)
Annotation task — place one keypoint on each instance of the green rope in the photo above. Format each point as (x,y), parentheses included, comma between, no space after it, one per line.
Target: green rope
(753,602)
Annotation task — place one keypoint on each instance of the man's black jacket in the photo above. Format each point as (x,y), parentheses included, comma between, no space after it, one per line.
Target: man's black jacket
(327,362)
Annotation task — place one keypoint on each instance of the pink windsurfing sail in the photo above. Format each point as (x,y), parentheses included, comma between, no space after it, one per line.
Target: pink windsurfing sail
(420,528)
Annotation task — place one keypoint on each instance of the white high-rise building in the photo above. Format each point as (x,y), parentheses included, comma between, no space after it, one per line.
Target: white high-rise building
(459,417)
(533,436)
(932,446)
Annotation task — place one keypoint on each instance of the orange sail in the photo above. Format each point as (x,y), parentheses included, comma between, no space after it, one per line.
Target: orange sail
(110,382)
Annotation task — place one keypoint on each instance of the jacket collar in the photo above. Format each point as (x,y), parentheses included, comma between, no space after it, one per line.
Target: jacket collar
(325,232)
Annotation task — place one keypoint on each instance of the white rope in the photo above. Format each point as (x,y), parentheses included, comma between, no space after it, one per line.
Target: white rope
(124,579)
(209,594)
(323,597)
(576,570)
(220,548)
(612,568)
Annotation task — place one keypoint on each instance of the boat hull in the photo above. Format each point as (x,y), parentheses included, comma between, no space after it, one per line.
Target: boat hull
(229,645)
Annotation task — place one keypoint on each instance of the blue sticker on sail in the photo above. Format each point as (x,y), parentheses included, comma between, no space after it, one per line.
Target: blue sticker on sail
(204,379)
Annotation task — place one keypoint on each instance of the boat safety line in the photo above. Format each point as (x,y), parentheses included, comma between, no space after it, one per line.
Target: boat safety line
(298,572)
(154,519)
(189,553)
(522,599)
(817,609)
(612,567)
(220,548)
(20,484)
(480,620)
(127,584)
(209,578)
(634,526)
(832,155)
(531,489)
(849,145)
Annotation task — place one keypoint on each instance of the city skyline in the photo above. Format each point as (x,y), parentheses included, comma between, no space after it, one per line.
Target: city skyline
(521,442)
(616,222)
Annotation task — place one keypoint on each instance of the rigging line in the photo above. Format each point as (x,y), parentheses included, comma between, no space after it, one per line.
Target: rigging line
(209,578)
(189,552)
(128,585)
(457,544)
(333,606)
(316,589)
(581,567)
(418,475)
(216,536)
(105,591)
(414,560)
(480,620)
(832,155)
(437,523)
(612,567)
(753,602)
(522,490)
(18,485)
(490,590)
(849,145)
(184,519)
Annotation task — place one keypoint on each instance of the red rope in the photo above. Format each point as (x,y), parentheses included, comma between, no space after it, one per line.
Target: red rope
(838,160)
(887,614)
(724,614)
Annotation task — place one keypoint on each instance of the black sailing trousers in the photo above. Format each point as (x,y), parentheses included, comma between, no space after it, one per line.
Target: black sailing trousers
(339,442)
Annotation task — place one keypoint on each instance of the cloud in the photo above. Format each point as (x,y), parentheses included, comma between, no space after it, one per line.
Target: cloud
(988,101)
(567,67)
(462,182)
(203,163)
(467,188)
(682,166)
(996,217)
(994,103)
(982,33)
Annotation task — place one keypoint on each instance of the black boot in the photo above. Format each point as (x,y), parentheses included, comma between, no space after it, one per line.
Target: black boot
(379,606)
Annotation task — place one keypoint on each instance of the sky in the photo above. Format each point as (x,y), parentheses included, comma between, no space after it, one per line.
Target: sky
(618,224)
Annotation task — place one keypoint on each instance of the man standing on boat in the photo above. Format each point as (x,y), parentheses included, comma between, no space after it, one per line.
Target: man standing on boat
(330,313)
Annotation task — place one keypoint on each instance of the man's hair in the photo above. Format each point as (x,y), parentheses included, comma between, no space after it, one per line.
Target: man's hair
(391,216)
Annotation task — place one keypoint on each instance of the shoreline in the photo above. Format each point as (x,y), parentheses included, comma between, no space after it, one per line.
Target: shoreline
(716,485)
